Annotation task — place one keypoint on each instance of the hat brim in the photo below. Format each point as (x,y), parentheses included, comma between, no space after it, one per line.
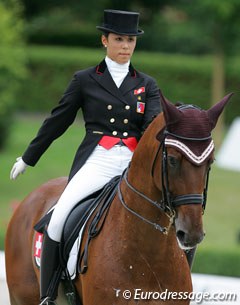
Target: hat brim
(105,29)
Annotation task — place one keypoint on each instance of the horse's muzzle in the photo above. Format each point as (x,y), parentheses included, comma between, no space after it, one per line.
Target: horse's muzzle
(189,240)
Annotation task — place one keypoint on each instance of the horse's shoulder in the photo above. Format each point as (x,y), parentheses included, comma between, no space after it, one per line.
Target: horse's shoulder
(57,183)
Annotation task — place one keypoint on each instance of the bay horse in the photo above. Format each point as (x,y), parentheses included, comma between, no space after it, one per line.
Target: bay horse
(155,215)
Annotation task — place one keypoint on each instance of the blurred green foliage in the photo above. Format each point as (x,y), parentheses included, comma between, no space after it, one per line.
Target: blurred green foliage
(175,26)
(180,77)
(12,62)
(218,261)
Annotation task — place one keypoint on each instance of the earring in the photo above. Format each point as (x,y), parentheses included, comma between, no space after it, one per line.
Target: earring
(105,45)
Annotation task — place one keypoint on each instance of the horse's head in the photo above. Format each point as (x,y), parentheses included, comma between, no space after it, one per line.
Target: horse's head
(187,148)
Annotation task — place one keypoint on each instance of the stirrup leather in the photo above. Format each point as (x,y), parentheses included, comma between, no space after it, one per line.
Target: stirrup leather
(47,301)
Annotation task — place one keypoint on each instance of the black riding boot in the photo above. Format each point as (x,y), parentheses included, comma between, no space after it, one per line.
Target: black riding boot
(50,271)
(190,254)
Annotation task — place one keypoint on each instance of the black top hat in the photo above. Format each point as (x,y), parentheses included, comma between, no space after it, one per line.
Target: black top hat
(121,22)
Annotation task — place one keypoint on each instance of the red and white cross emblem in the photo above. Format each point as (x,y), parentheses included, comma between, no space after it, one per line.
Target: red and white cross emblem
(38,244)
(139,90)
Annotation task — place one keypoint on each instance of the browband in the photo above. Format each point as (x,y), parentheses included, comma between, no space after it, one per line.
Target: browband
(188,152)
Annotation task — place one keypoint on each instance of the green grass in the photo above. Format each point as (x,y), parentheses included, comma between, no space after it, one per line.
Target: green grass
(55,162)
(221,245)
(223,210)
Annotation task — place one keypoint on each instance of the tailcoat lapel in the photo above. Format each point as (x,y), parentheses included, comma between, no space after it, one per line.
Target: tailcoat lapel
(131,81)
(103,77)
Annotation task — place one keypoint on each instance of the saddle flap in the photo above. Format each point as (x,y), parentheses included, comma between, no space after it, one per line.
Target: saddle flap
(74,223)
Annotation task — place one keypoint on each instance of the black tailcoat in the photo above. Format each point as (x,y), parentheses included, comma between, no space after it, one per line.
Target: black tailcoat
(107,110)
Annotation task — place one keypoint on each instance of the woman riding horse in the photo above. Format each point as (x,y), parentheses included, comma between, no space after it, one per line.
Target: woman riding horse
(155,215)
(118,103)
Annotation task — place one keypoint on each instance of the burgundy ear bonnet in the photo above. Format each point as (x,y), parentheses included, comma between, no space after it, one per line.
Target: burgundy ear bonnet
(188,128)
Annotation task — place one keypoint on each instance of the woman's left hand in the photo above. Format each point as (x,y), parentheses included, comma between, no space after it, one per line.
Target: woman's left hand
(18,168)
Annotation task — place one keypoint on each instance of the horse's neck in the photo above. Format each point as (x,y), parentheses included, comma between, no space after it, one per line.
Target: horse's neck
(140,177)
(137,234)
(140,171)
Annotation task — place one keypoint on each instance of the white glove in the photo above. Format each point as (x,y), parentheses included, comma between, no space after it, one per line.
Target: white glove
(18,168)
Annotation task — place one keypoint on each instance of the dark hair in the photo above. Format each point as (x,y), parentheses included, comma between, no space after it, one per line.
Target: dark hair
(105,33)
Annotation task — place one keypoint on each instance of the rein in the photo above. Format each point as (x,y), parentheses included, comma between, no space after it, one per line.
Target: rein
(168,203)
(158,205)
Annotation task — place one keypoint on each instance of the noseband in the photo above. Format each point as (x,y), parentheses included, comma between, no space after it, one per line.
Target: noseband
(168,203)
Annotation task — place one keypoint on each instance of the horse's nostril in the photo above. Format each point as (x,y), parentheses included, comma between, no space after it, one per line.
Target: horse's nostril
(189,240)
(180,235)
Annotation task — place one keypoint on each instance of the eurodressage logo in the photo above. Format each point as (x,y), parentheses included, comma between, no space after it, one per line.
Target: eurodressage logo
(38,247)
(139,294)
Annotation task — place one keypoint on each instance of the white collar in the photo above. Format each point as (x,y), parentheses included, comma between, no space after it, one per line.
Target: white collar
(116,67)
(117,71)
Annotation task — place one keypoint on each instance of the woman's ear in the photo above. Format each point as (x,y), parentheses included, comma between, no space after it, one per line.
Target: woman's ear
(104,40)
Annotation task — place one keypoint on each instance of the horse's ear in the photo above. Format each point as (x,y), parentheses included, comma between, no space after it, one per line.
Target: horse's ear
(215,111)
(170,111)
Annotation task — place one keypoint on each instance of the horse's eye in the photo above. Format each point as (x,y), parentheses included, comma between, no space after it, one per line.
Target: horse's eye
(172,161)
(211,161)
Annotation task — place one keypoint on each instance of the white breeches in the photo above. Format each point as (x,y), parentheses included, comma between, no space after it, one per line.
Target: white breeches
(100,168)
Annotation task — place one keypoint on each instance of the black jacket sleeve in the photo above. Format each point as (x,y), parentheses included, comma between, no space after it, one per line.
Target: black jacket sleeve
(153,103)
(56,124)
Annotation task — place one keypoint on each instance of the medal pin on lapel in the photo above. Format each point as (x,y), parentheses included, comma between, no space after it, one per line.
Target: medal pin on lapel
(140,107)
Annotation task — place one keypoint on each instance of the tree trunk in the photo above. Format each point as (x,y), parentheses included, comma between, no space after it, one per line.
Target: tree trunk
(218,91)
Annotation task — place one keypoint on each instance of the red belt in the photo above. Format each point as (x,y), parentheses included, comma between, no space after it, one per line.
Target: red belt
(108,142)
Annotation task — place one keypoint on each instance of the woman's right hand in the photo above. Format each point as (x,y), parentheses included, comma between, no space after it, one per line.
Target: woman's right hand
(18,168)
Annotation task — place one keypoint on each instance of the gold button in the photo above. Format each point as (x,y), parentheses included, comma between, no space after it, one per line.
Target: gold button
(125,121)
(109,107)
(114,133)
(112,120)
(127,107)
(125,134)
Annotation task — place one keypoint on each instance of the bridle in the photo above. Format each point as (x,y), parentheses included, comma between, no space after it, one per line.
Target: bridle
(156,204)
(168,203)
